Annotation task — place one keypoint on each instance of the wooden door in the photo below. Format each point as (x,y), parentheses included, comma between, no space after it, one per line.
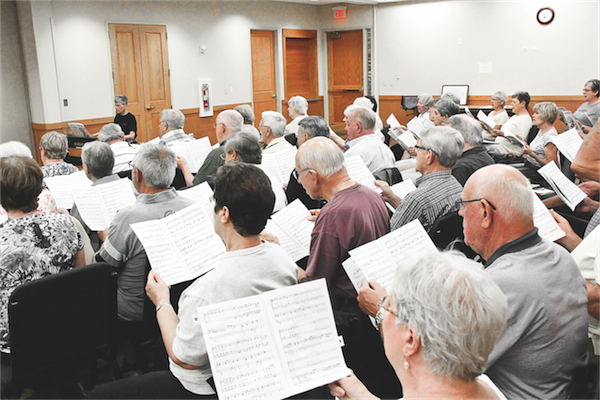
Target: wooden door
(345,73)
(263,72)
(141,72)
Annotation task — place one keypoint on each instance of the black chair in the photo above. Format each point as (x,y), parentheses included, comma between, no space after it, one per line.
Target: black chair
(447,233)
(390,175)
(409,104)
(125,174)
(60,325)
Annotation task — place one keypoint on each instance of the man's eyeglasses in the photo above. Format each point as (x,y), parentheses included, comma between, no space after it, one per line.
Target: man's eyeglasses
(422,148)
(381,313)
(460,204)
(296,173)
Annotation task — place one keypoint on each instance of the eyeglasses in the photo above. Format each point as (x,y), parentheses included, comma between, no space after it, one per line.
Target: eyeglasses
(460,204)
(381,313)
(296,173)
(130,163)
(423,148)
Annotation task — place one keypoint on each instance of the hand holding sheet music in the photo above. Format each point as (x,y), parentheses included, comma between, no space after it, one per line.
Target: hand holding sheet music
(194,152)
(273,345)
(543,220)
(293,229)
(568,143)
(487,121)
(570,194)
(513,138)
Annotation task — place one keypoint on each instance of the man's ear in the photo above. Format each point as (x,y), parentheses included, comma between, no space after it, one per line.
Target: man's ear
(487,215)
(234,154)
(224,215)
(137,176)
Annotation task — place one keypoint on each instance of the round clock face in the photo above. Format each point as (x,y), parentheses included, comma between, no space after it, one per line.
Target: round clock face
(545,15)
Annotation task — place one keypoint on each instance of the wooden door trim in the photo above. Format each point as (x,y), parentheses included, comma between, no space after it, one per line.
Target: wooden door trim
(310,34)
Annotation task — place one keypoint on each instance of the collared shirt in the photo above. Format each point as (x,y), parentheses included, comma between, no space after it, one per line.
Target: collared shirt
(435,196)
(212,162)
(174,136)
(277,144)
(124,153)
(373,152)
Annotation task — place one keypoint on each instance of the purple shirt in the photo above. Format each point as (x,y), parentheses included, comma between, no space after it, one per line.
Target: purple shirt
(355,216)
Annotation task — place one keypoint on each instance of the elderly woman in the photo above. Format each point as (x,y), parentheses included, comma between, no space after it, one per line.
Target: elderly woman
(246,111)
(53,149)
(498,115)
(441,110)
(297,108)
(519,125)
(541,150)
(588,113)
(32,244)
(439,324)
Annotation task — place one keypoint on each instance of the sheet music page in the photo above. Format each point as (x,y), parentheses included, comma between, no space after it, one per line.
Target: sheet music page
(355,274)
(115,195)
(407,139)
(80,179)
(403,188)
(181,246)
(542,219)
(194,152)
(485,119)
(359,172)
(567,190)
(415,126)
(91,208)
(408,242)
(281,164)
(568,143)
(513,138)
(293,229)
(375,262)
(273,345)
(201,194)
(392,121)
(60,187)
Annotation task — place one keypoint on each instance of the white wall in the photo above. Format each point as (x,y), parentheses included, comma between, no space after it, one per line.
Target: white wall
(72,48)
(15,123)
(423,46)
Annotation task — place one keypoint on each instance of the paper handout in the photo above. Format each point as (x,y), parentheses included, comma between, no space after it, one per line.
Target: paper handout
(201,194)
(487,121)
(273,345)
(567,190)
(359,172)
(568,143)
(181,246)
(415,126)
(280,164)
(378,260)
(293,229)
(401,189)
(61,187)
(513,138)
(194,152)
(542,219)
(99,204)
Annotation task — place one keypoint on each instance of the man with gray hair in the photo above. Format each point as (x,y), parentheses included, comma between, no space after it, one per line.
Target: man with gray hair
(272,128)
(545,339)
(171,127)
(360,127)
(437,190)
(153,172)
(474,155)
(353,216)
(226,123)
(122,150)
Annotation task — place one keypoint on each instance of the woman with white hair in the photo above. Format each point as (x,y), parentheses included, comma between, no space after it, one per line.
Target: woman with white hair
(439,324)
(541,150)
(498,115)
(297,109)
(53,149)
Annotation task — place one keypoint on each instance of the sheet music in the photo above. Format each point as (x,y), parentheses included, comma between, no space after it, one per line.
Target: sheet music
(567,190)
(513,138)
(281,164)
(486,120)
(99,204)
(392,121)
(380,258)
(568,143)
(273,345)
(61,187)
(407,140)
(181,246)
(415,126)
(401,189)
(194,152)
(542,219)
(359,172)
(201,194)
(293,229)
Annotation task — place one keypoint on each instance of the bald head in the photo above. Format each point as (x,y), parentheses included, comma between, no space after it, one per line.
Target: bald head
(504,212)
(321,155)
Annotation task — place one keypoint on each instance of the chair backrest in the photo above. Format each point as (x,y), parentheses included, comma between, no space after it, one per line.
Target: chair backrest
(125,174)
(447,232)
(62,320)
(390,175)
(532,134)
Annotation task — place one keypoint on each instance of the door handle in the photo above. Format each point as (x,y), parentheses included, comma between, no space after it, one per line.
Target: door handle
(149,107)
(274,96)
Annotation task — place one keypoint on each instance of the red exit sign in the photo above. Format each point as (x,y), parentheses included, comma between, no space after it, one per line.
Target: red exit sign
(340,12)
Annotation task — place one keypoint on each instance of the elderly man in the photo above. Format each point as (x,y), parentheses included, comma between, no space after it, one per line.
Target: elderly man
(353,216)
(308,128)
(226,123)
(272,129)
(474,155)
(171,127)
(244,147)
(437,190)
(243,203)
(360,126)
(98,160)
(122,150)
(546,336)
(153,171)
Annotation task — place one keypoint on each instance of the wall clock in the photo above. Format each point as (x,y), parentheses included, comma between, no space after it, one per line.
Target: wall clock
(545,15)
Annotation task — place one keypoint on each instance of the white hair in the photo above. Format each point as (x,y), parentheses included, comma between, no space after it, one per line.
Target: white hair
(275,121)
(321,155)
(110,132)
(233,120)
(456,309)
(157,163)
(468,127)
(173,118)
(299,104)
(447,144)
(14,148)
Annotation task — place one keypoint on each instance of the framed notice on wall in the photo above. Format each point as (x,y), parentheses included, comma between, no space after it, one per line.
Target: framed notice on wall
(462,91)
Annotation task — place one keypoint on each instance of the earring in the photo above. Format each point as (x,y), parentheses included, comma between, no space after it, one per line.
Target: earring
(406,366)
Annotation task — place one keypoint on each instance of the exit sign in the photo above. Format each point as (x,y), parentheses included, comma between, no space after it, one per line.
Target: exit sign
(340,12)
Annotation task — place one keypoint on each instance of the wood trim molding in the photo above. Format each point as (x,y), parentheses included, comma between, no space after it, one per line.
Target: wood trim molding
(299,33)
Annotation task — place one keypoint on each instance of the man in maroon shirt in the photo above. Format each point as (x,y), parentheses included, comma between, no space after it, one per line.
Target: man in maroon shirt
(353,216)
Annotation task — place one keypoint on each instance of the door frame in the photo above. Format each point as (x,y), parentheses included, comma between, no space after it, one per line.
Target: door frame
(278,61)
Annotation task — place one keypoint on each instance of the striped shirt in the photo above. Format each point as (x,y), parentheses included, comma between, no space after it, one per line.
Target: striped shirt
(124,153)
(435,196)
(176,135)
